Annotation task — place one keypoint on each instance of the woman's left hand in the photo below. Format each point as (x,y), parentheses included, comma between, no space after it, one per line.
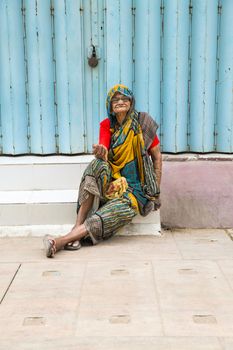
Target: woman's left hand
(100,151)
(157,203)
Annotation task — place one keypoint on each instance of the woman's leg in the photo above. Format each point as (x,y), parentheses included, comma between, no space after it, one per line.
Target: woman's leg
(75,234)
(77,231)
(81,217)
(95,180)
(84,210)
(102,225)
(73,237)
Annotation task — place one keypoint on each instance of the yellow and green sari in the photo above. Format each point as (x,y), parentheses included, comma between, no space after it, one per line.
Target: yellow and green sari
(128,156)
(126,184)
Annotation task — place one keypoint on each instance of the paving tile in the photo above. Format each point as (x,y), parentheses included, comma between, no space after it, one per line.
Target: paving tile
(114,300)
(56,318)
(126,293)
(46,280)
(27,249)
(22,249)
(7,272)
(193,284)
(116,343)
(193,343)
(43,299)
(195,298)
(226,343)
(182,323)
(118,283)
(118,320)
(131,248)
(204,244)
(227,269)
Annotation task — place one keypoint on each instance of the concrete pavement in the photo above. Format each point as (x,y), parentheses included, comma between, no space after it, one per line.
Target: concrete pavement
(173,292)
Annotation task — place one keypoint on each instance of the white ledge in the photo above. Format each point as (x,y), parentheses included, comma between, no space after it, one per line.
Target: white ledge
(43,196)
(28,160)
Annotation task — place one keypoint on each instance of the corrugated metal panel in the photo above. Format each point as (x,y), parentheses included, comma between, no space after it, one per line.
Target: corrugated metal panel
(94,81)
(146,51)
(177,56)
(175,75)
(119,41)
(13,97)
(225,79)
(39,76)
(203,75)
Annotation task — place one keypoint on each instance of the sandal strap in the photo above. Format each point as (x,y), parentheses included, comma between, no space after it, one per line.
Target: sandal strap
(53,245)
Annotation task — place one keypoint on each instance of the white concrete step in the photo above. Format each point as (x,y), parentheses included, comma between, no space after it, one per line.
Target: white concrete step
(56,207)
(41,173)
(48,207)
(139,226)
(38,193)
(40,197)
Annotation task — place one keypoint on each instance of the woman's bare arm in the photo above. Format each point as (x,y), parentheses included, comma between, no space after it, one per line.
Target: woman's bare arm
(157,162)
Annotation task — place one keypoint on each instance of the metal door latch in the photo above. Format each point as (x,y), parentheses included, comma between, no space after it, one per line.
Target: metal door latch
(92,56)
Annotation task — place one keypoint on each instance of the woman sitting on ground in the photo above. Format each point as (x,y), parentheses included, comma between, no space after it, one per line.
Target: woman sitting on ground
(122,181)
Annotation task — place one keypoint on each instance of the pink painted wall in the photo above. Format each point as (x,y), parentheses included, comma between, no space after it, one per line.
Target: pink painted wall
(197,194)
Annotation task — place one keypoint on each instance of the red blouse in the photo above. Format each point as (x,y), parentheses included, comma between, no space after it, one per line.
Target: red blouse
(105,135)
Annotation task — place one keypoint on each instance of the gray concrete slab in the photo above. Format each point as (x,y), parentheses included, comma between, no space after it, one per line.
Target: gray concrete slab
(43,300)
(226,267)
(119,343)
(196,301)
(108,279)
(226,343)
(196,284)
(7,272)
(115,320)
(26,249)
(186,323)
(203,244)
(23,249)
(173,292)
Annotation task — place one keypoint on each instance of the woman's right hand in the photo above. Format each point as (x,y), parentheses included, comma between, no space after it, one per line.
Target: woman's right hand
(100,152)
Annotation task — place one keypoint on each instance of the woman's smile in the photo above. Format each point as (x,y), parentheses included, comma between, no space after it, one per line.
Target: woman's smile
(120,106)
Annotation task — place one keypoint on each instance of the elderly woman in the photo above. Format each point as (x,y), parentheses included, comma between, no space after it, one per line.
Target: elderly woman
(121,181)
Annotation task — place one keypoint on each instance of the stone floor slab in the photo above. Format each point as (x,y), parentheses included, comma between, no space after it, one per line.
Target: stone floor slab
(118,343)
(197,284)
(204,244)
(118,283)
(22,249)
(173,292)
(184,323)
(131,248)
(28,249)
(7,272)
(43,299)
(227,269)
(115,301)
(118,320)
(226,343)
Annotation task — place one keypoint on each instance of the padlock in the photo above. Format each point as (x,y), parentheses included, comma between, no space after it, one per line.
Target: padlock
(93,60)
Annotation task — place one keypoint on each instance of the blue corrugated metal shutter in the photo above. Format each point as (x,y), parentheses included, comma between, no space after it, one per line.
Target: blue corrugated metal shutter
(177,56)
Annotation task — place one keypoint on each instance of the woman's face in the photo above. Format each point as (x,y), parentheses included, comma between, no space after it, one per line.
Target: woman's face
(120,103)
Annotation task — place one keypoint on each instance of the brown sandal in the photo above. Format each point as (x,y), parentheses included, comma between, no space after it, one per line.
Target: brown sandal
(50,246)
(73,246)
